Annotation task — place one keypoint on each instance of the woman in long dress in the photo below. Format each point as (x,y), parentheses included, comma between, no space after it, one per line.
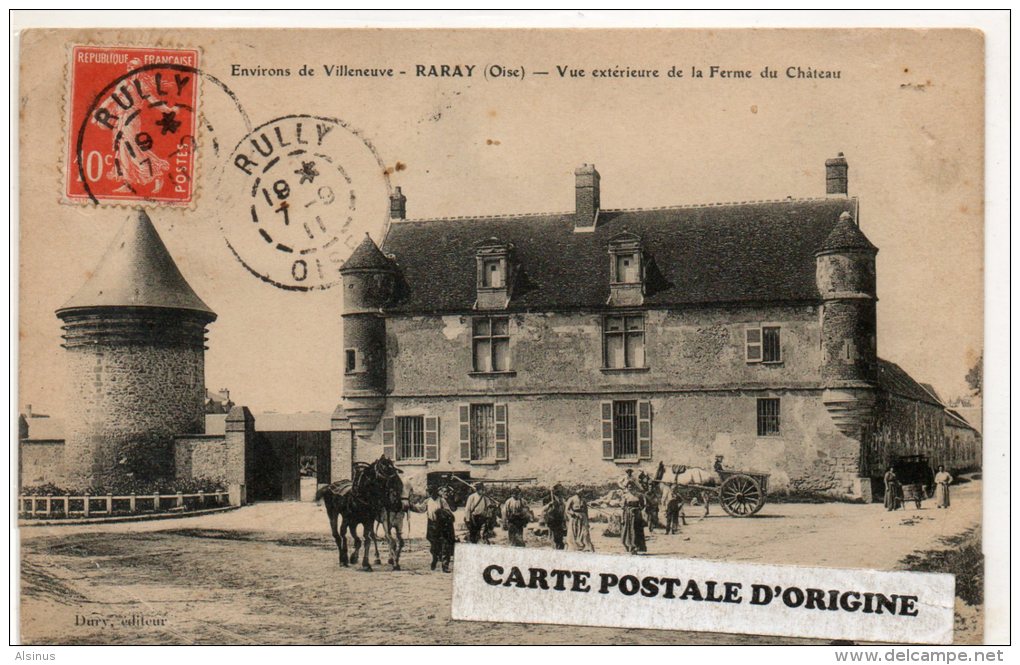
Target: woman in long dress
(942,482)
(580,532)
(892,490)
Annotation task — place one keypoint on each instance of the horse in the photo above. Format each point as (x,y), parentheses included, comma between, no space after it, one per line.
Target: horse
(359,501)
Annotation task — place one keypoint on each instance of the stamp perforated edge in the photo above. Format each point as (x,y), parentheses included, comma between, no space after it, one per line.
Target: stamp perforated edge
(67,141)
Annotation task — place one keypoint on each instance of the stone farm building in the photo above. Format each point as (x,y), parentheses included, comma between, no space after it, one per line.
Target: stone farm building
(569,346)
(564,347)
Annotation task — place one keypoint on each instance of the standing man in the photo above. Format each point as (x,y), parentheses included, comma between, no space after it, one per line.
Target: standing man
(516,516)
(675,512)
(942,482)
(439,532)
(554,516)
(580,531)
(474,512)
(892,489)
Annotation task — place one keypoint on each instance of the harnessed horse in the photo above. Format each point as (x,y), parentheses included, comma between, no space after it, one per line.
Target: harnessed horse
(359,501)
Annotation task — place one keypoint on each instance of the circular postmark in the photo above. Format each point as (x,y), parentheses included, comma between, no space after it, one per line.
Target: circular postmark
(296,196)
(136,139)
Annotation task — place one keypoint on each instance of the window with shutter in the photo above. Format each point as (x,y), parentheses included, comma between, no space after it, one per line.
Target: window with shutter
(410,438)
(464,413)
(389,437)
(431,439)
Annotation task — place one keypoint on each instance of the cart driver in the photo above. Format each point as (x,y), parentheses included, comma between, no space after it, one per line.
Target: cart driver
(629,484)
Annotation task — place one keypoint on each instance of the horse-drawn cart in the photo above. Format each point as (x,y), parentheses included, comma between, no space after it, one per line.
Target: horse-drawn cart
(740,493)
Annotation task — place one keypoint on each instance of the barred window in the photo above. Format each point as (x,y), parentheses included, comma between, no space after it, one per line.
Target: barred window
(410,437)
(491,344)
(768,416)
(624,341)
(625,429)
(771,352)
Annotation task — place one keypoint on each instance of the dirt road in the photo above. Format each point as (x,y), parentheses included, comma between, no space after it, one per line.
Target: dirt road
(268,573)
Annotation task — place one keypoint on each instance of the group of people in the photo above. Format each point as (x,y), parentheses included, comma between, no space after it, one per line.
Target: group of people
(894,497)
(562,517)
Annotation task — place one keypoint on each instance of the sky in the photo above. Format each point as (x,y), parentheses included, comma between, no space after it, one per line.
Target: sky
(906,111)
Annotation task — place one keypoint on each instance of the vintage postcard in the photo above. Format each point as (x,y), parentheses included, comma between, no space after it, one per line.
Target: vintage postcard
(524,336)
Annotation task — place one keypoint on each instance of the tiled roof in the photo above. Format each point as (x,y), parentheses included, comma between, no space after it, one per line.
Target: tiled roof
(846,235)
(954,418)
(934,393)
(137,271)
(366,255)
(894,379)
(740,252)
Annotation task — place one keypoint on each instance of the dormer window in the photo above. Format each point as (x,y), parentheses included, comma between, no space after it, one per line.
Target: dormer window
(626,271)
(494,270)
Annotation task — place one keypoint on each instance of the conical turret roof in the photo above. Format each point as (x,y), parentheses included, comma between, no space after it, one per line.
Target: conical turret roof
(846,235)
(367,256)
(137,271)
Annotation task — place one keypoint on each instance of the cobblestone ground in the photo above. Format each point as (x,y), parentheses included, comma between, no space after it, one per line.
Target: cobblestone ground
(268,573)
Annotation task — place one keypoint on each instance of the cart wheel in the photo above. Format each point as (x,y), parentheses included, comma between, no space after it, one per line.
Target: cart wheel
(741,496)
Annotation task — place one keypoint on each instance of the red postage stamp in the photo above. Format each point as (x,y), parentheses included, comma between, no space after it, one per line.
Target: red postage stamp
(132,115)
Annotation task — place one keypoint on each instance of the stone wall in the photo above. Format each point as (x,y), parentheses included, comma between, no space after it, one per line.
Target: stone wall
(202,457)
(562,353)
(126,405)
(904,426)
(40,462)
(702,390)
(963,447)
(559,438)
(227,458)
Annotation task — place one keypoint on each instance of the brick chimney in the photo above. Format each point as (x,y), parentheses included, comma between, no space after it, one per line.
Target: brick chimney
(835,176)
(398,204)
(586,191)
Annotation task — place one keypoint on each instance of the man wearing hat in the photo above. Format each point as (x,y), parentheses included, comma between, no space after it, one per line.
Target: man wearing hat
(516,516)
(554,516)
(439,532)
(474,512)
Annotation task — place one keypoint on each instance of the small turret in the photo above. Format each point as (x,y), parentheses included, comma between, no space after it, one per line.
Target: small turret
(368,283)
(845,275)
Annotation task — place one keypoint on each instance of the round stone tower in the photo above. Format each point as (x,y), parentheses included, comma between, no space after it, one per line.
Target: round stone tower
(368,279)
(135,341)
(845,274)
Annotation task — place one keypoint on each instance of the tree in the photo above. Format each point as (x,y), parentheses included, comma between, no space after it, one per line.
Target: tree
(975,376)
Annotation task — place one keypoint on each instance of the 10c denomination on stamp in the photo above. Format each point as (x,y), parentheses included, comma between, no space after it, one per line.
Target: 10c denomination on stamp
(131,117)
